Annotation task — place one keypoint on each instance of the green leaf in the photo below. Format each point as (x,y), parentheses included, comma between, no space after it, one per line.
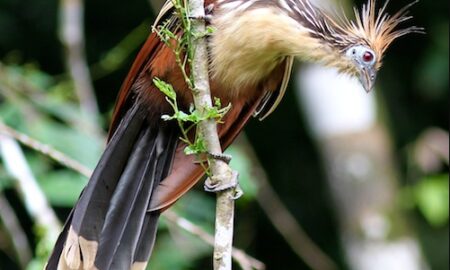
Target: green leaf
(217,102)
(167,117)
(182,116)
(166,88)
(210,29)
(196,148)
(190,150)
(195,116)
(432,199)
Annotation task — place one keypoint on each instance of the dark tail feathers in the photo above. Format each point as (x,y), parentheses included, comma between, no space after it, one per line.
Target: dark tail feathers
(110,227)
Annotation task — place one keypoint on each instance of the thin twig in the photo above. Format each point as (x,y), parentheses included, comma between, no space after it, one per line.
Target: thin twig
(72,37)
(244,260)
(208,131)
(46,150)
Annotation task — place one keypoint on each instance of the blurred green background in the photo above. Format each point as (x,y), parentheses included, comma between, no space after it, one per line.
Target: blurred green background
(37,97)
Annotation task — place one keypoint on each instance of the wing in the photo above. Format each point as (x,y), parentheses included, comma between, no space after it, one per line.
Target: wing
(154,61)
(186,173)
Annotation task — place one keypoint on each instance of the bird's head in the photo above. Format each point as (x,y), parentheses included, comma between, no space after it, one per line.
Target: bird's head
(362,60)
(251,35)
(361,43)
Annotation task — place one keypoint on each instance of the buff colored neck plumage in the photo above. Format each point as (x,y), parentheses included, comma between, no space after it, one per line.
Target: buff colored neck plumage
(259,39)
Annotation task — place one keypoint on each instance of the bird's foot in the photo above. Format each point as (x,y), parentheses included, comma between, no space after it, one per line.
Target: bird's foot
(223,157)
(220,183)
(206,18)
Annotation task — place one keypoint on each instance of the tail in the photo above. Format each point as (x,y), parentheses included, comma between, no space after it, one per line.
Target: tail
(110,226)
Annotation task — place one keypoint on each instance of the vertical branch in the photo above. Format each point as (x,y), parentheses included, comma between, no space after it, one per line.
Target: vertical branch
(72,37)
(208,131)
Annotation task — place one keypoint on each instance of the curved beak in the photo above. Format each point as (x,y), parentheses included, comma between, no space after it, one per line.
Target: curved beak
(367,77)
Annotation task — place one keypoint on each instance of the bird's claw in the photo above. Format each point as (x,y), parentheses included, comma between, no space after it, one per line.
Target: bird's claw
(216,184)
(238,192)
(207,18)
(223,157)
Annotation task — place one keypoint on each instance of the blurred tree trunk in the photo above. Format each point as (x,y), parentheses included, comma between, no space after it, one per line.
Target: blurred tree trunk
(357,154)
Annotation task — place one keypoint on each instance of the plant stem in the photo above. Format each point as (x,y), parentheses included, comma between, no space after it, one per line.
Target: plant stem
(208,130)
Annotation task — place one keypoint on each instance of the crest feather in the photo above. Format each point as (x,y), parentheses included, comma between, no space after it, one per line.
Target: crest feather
(371,27)
(379,29)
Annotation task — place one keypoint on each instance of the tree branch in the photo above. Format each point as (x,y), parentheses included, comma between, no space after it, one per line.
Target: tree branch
(220,171)
(46,150)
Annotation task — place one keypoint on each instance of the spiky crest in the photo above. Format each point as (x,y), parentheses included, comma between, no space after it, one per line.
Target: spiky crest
(375,29)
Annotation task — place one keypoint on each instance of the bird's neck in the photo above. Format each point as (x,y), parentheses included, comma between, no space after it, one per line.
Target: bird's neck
(248,45)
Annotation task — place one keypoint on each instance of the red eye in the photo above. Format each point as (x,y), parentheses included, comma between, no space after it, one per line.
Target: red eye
(367,57)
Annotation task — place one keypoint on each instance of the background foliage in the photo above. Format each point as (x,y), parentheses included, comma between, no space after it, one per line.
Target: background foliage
(37,98)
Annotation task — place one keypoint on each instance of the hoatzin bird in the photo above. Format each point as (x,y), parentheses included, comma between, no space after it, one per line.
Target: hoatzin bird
(144,169)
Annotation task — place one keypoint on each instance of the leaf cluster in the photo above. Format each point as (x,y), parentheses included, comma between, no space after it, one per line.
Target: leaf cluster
(190,120)
(181,45)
